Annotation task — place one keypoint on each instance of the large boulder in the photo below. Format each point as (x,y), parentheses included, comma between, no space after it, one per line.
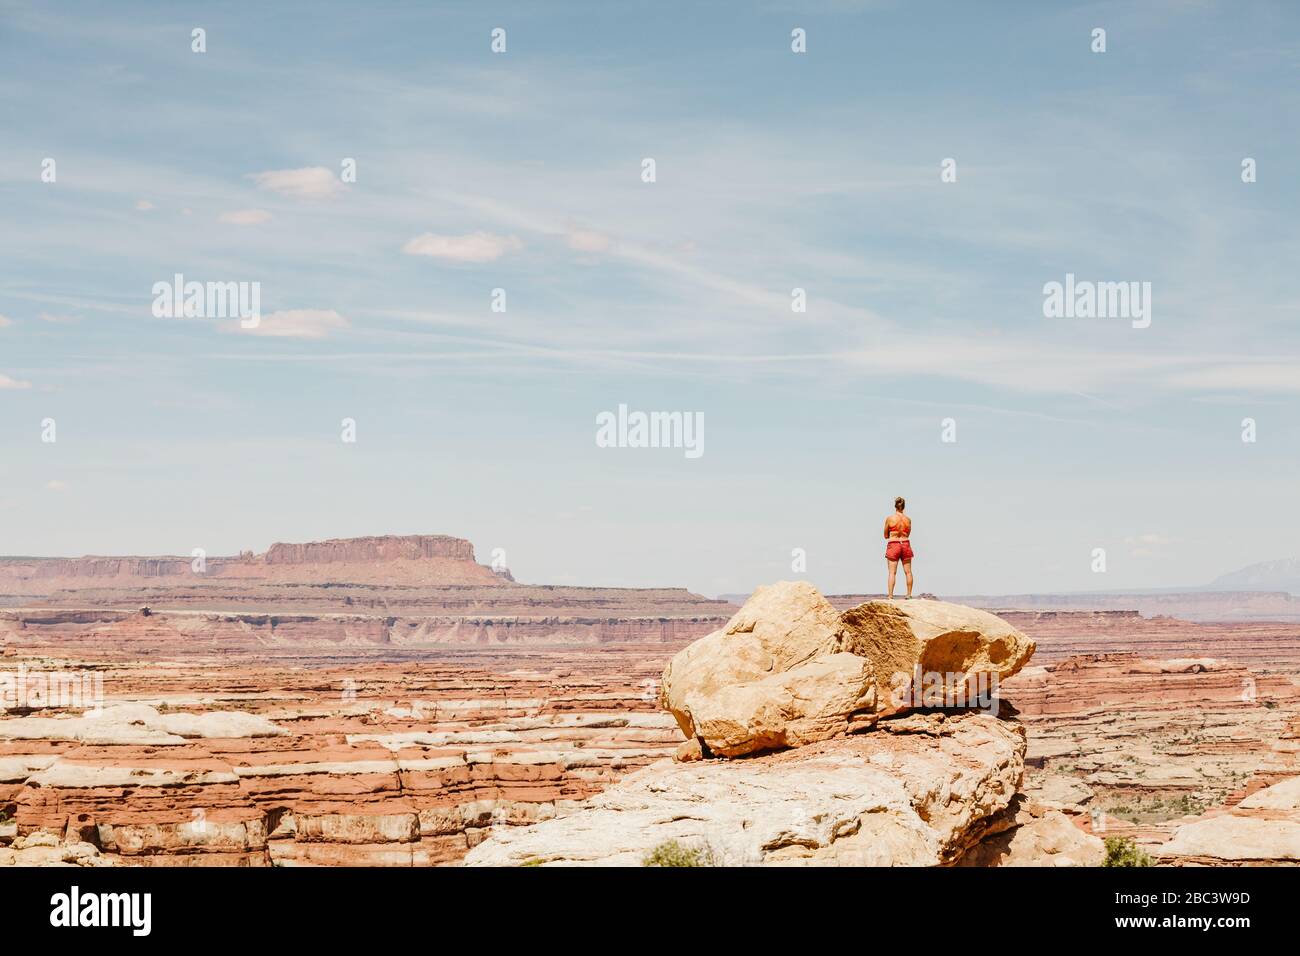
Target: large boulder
(788,669)
(780,628)
(967,647)
(805,704)
(922,792)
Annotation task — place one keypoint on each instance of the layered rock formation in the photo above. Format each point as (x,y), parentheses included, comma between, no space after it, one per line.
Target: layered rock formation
(414,547)
(115,633)
(1259,826)
(1261,646)
(1145,745)
(389,559)
(381,591)
(402,724)
(912,786)
(241,761)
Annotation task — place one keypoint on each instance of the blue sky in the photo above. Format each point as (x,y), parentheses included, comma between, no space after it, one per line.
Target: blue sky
(775,170)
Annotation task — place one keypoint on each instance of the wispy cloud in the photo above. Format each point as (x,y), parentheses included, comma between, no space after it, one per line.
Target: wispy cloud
(1149,545)
(245,217)
(475,247)
(297,324)
(7,382)
(309,182)
(588,240)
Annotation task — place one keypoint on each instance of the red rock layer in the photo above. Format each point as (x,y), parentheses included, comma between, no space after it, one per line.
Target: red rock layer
(115,633)
(373,763)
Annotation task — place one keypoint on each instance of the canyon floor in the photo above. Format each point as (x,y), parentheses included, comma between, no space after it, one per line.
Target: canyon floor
(388,701)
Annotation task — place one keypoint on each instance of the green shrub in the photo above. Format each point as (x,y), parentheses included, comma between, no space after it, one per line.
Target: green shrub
(1121,851)
(673,853)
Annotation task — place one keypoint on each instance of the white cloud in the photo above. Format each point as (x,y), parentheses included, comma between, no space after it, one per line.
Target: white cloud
(5,322)
(56,485)
(586,240)
(143,205)
(1244,376)
(475,247)
(7,382)
(298,324)
(310,182)
(1147,545)
(56,319)
(245,217)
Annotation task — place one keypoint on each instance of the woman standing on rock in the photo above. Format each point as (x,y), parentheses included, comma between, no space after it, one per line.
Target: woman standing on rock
(898,527)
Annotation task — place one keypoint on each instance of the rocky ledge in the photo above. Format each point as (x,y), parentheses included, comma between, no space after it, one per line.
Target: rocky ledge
(919,794)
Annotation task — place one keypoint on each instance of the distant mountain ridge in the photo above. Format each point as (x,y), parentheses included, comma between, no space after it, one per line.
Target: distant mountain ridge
(1280,575)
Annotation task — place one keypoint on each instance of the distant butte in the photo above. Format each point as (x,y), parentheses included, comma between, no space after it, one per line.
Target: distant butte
(386,559)
(380,591)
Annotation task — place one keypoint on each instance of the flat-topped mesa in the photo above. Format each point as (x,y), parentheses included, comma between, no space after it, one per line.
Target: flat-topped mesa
(404,560)
(788,669)
(105,567)
(411,547)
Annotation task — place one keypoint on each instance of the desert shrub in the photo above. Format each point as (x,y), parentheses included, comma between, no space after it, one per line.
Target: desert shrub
(1121,851)
(673,853)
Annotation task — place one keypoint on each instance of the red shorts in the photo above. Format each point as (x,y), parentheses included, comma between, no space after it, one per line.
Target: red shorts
(898,551)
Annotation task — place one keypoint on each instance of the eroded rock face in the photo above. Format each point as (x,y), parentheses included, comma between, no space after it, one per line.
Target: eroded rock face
(788,669)
(900,637)
(1037,836)
(779,628)
(241,761)
(915,794)
(44,849)
(807,703)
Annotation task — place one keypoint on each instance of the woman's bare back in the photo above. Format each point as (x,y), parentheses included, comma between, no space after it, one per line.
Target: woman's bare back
(899,526)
